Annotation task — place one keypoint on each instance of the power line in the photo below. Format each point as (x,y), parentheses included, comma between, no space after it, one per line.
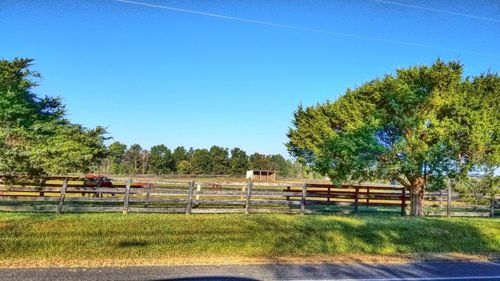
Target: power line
(437,10)
(305,29)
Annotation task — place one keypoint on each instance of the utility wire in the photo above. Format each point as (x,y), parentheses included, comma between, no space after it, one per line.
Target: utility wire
(437,10)
(305,29)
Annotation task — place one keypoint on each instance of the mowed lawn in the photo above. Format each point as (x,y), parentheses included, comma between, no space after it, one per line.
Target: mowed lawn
(103,239)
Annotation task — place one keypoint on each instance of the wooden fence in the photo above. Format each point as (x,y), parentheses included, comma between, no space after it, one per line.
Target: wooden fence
(190,197)
(447,202)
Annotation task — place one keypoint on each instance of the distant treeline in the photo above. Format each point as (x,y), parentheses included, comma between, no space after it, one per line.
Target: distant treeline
(37,139)
(160,160)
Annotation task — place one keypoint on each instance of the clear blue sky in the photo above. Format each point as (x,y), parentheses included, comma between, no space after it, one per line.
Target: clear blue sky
(153,75)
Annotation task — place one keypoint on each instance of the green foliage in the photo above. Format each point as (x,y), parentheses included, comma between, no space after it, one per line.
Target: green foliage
(190,153)
(274,162)
(179,154)
(35,138)
(280,164)
(116,157)
(479,120)
(259,161)
(238,162)
(419,127)
(480,189)
(160,160)
(183,167)
(71,148)
(201,162)
(133,159)
(219,158)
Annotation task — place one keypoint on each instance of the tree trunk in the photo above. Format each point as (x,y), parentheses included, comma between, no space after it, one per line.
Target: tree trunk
(417,198)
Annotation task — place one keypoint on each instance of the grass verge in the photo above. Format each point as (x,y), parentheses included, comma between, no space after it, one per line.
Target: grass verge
(28,240)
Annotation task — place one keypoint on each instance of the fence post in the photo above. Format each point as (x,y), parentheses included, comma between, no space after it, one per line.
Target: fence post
(492,207)
(356,200)
(42,186)
(62,196)
(198,189)
(440,198)
(448,205)
(288,190)
(243,193)
(403,202)
(189,202)
(367,196)
(303,199)
(249,194)
(127,195)
(148,193)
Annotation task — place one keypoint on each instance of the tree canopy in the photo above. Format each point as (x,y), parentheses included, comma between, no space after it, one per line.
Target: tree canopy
(161,161)
(239,161)
(201,162)
(219,158)
(35,136)
(419,126)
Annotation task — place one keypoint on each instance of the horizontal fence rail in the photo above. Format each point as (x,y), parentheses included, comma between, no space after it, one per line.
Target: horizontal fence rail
(73,194)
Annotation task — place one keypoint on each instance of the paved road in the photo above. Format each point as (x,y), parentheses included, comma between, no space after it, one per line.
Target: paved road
(380,272)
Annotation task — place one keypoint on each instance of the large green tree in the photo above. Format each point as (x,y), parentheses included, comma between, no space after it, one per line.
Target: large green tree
(201,162)
(420,126)
(35,138)
(238,162)
(219,158)
(280,165)
(133,159)
(160,160)
(115,159)
(180,154)
(258,161)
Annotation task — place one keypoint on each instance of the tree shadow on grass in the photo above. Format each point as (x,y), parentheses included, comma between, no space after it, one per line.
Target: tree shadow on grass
(391,236)
(353,237)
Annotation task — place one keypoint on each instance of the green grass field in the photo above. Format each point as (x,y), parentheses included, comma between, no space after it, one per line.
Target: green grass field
(94,239)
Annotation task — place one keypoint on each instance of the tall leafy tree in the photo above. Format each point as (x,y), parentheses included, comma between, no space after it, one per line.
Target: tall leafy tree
(219,158)
(480,115)
(116,157)
(312,126)
(161,160)
(280,165)
(133,159)
(190,153)
(179,154)
(238,163)
(70,148)
(419,127)
(35,138)
(201,162)
(258,161)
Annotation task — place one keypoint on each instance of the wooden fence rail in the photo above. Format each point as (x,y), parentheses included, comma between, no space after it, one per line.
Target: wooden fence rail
(192,197)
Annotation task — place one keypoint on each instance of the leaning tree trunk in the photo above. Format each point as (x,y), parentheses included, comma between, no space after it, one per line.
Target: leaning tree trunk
(417,198)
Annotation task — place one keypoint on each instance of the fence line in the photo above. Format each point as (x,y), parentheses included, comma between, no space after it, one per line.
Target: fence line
(192,197)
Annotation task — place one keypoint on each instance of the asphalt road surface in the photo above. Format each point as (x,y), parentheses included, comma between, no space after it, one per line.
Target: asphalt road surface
(372,272)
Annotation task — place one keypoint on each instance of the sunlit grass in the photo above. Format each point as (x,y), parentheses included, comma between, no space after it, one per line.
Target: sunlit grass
(153,236)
